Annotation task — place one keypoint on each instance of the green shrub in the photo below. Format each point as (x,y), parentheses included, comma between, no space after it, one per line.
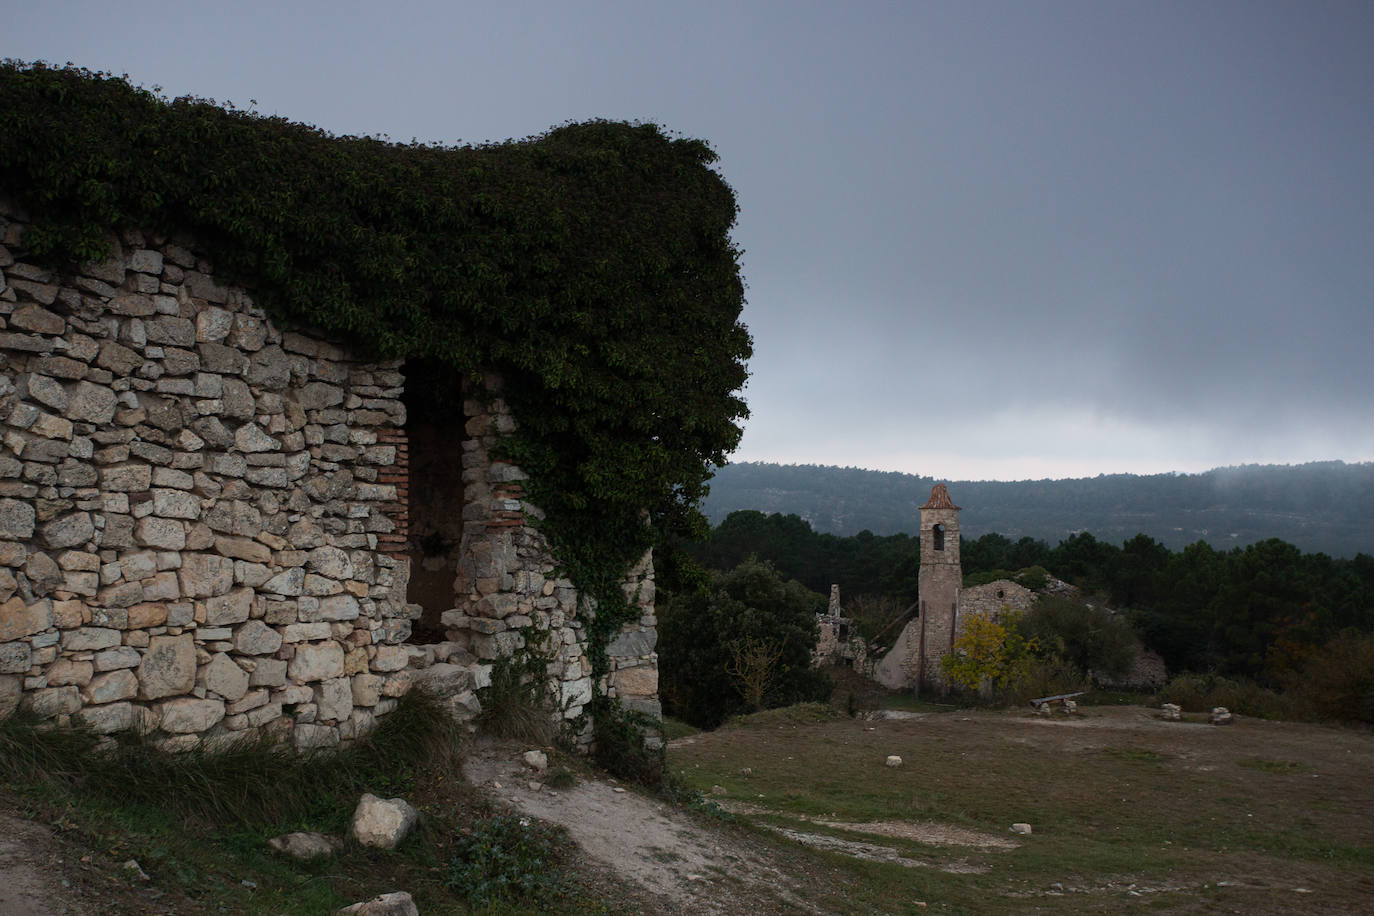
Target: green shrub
(1338,682)
(507,858)
(619,744)
(1089,638)
(1204,692)
(517,703)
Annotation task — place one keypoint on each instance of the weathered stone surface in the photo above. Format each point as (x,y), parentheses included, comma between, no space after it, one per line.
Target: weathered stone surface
(176,504)
(119,657)
(382,823)
(205,575)
(228,609)
(53,701)
(334,699)
(69,530)
(289,583)
(306,846)
(111,686)
(90,403)
(90,639)
(15,658)
(330,562)
(633,644)
(243,549)
(16,519)
(105,720)
(18,619)
(256,638)
(316,662)
(396,903)
(162,533)
(168,667)
(641,680)
(186,715)
(66,671)
(225,678)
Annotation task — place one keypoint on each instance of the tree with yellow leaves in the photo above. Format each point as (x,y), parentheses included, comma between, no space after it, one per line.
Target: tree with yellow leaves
(989,653)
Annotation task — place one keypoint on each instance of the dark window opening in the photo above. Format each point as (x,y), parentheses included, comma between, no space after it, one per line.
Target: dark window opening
(939,532)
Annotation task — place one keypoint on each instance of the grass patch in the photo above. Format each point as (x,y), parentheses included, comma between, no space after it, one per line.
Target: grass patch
(676,728)
(1117,802)
(198,822)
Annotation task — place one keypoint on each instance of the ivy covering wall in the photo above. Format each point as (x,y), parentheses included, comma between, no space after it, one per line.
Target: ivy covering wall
(590,266)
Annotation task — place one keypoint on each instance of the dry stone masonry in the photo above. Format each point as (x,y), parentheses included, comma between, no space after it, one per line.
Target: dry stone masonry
(207,524)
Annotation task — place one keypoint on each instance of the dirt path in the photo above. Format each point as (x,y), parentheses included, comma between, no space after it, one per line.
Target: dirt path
(30,871)
(649,842)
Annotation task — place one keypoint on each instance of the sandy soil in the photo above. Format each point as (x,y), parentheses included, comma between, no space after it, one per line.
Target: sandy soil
(30,871)
(693,868)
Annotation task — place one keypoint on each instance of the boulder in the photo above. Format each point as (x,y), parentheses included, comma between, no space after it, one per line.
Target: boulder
(397,903)
(382,822)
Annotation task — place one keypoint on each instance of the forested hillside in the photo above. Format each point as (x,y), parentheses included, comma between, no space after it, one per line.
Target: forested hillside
(1323,506)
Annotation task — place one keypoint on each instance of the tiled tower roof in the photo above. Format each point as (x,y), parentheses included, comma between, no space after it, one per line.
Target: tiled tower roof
(939,498)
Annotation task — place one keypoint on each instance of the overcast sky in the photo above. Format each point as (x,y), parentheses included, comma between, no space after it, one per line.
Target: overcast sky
(982,239)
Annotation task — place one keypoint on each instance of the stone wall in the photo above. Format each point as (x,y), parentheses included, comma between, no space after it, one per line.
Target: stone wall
(510,595)
(994,599)
(206,524)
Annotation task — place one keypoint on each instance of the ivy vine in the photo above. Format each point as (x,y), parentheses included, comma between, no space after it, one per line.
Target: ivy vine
(591,266)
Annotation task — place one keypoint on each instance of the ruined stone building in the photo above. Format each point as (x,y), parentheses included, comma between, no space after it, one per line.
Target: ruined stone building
(210,525)
(838,641)
(943,601)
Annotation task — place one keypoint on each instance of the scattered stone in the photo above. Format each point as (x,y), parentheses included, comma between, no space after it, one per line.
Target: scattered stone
(397,903)
(894,761)
(306,846)
(1021,828)
(1222,716)
(382,823)
(1171,712)
(536,760)
(718,790)
(135,872)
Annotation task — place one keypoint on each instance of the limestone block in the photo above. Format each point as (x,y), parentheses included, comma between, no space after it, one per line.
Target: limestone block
(48,392)
(18,619)
(241,548)
(316,662)
(11,689)
(111,686)
(105,720)
(15,658)
(270,672)
(162,587)
(187,716)
(309,735)
(69,530)
(334,698)
(176,504)
(126,478)
(444,679)
(633,644)
(390,658)
(43,573)
(52,701)
(382,823)
(287,584)
(398,683)
(250,700)
(117,658)
(355,661)
(641,681)
(366,689)
(224,677)
(339,607)
(575,693)
(16,519)
(90,639)
(89,403)
(232,608)
(256,638)
(168,667)
(306,632)
(67,671)
(205,575)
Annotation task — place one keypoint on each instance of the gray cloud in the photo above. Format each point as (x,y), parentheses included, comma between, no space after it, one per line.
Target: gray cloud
(1026,239)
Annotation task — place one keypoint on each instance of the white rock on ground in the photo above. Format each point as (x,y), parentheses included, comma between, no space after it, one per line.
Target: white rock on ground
(894,761)
(397,903)
(305,846)
(382,822)
(1021,828)
(536,760)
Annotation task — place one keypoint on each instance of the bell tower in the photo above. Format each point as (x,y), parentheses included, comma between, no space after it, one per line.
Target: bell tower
(941,578)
